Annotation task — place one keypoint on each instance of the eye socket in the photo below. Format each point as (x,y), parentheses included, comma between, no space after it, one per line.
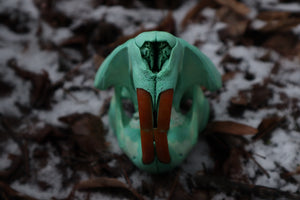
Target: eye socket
(128,107)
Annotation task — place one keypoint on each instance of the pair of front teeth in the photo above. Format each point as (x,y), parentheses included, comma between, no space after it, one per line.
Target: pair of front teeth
(155,134)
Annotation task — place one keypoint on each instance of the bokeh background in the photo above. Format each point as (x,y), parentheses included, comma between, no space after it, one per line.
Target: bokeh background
(55,141)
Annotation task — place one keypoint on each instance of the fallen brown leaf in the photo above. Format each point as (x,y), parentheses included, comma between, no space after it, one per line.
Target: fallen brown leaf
(16,20)
(229,127)
(236,25)
(179,193)
(5,88)
(280,25)
(232,166)
(18,167)
(285,43)
(193,12)
(228,76)
(105,182)
(238,7)
(42,89)
(51,14)
(228,153)
(234,31)
(11,171)
(266,126)
(167,25)
(256,97)
(74,41)
(260,95)
(240,100)
(273,15)
(88,132)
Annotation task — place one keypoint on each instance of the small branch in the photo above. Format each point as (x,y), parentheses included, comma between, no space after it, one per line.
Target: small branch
(173,187)
(260,167)
(74,97)
(224,185)
(22,145)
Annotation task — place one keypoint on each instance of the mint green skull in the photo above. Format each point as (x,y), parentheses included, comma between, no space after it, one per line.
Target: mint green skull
(157,71)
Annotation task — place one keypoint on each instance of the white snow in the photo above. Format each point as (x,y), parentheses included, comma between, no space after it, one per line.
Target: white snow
(282,149)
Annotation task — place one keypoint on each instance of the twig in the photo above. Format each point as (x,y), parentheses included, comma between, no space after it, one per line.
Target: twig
(173,187)
(260,167)
(127,178)
(23,147)
(75,98)
(68,76)
(13,194)
(224,185)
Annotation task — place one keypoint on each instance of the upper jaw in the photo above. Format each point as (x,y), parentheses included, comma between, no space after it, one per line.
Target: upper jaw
(182,133)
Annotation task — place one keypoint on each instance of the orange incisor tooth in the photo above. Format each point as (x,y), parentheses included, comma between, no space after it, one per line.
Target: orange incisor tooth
(146,125)
(163,125)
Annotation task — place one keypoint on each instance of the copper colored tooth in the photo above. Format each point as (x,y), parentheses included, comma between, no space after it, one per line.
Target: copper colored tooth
(163,125)
(161,145)
(146,125)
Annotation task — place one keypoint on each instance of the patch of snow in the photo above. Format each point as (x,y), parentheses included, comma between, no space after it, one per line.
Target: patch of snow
(180,13)
(258,24)
(222,196)
(20,93)
(282,149)
(48,174)
(72,8)
(138,177)
(296,30)
(70,102)
(198,158)
(24,5)
(10,148)
(291,7)
(277,153)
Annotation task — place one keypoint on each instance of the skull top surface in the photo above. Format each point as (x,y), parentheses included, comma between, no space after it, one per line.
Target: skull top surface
(157,72)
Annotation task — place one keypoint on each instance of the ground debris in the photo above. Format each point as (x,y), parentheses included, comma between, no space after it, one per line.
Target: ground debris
(6,193)
(236,6)
(167,24)
(106,183)
(51,14)
(229,127)
(62,150)
(16,20)
(266,127)
(42,89)
(237,188)
(194,11)
(87,132)
(256,97)
(5,89)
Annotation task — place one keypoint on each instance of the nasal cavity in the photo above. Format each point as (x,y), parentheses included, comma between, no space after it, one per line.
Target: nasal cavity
(155,54)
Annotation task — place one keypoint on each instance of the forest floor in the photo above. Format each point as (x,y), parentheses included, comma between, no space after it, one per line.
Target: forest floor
(55,141)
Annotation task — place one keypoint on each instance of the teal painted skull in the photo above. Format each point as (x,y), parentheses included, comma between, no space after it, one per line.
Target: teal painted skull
(157,72)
